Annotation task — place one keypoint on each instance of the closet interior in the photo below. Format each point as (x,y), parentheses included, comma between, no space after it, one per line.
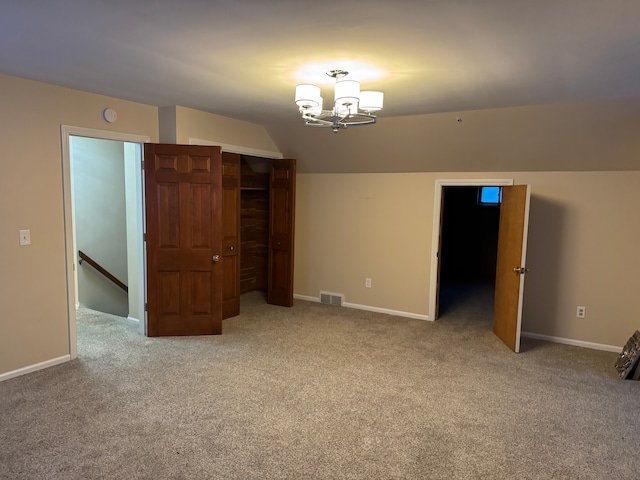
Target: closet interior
(254,223)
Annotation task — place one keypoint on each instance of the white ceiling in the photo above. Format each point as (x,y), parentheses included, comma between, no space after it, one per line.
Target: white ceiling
(239,58)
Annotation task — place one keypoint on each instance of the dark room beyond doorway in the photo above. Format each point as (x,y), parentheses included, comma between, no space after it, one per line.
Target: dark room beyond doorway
(468,252)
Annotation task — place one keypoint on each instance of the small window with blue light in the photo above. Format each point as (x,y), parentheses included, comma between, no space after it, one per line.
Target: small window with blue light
(489,195)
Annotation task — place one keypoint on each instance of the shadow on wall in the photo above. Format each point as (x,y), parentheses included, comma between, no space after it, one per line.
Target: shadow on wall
(541,293)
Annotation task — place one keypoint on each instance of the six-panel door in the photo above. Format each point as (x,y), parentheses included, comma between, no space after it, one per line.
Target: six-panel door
(183,239)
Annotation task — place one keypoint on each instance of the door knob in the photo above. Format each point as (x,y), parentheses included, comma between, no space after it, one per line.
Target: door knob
(216,258)
(520,270)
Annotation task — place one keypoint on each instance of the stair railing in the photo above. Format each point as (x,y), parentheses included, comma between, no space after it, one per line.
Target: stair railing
(101,269)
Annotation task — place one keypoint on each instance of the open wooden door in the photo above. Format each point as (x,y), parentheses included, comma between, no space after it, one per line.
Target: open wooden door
(510,268)
(230,235)
(282,194)
(183,240)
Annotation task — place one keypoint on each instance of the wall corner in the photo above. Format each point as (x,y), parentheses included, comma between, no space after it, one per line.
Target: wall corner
(167,125)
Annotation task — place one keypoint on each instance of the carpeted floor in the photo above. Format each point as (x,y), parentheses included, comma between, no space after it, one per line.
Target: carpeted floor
(320,392)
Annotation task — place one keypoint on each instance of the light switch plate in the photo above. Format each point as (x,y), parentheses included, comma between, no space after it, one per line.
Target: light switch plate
(25,237)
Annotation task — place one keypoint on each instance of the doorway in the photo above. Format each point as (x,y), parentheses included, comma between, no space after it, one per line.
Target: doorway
(468,252)
(101,189)
(254,220)
(192,196)
(459,282)
(132,153)
(258,200)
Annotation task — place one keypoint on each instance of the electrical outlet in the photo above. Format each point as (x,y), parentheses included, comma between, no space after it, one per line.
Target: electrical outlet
(367,282)
(581,311)
(25,237)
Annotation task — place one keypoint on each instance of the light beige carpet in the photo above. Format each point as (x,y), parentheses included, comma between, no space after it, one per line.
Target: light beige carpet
(320,392)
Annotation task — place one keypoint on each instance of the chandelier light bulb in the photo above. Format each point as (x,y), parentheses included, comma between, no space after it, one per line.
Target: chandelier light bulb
(313,110)
(307,95)
(347,92)
(371,101)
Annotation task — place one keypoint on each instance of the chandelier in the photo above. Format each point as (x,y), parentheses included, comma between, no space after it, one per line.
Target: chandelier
(351,106)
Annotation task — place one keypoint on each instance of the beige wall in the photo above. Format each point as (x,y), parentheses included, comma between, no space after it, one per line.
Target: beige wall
(33,297)
(34,321)
(179,124)
(587,136)
(582,246)
(353,225)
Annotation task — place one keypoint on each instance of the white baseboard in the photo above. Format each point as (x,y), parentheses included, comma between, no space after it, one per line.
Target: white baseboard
(575,343)
(307,298)
(398,313)
(416,316)
(35,367)
(133,319)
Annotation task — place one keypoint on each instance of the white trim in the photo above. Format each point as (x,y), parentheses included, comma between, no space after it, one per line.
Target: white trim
(435,231)
(103,134)
(535,336)
(133,319)
(307,298)
(575,343)
(35,367)
(398,313)
(65,132)
(226,147)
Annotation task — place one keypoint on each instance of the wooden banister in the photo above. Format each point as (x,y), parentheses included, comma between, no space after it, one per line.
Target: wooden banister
(101,269)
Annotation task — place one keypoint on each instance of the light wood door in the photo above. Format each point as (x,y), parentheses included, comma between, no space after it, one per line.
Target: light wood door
(282,194)
(510,267)
(183,239)
(230,234)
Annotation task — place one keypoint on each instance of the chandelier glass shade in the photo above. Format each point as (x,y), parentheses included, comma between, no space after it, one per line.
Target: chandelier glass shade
(351,107)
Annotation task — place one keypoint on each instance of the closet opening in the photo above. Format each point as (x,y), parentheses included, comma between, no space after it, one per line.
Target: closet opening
(258,220)
(254,227)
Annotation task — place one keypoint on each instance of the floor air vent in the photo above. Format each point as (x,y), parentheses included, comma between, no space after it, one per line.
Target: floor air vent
(331,298)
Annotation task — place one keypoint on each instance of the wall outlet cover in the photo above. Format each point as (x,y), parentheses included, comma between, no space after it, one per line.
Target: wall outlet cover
(25,237)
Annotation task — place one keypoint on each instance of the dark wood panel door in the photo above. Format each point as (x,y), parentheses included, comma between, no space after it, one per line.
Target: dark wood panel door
(183,239)
(231,176)
(510,267)
(282,194)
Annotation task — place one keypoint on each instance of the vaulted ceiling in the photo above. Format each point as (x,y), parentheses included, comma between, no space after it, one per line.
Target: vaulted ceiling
(243,58)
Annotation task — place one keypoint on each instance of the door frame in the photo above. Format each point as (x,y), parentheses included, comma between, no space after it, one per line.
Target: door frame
(226,147)
(437,225)
(67,131)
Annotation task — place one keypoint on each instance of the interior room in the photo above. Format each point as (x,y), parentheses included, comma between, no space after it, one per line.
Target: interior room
(469,247)
(379,213)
